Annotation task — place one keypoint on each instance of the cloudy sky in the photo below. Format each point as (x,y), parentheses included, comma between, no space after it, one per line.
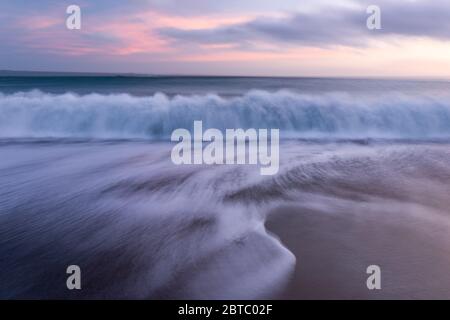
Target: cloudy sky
(230,37)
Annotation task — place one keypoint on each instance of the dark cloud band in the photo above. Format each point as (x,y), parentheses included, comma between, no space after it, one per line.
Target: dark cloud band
(330,26)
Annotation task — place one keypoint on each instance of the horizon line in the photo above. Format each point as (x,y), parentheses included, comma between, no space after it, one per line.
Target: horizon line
(49,73)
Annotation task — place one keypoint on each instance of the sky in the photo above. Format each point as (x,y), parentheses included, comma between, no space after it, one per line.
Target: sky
(229,37)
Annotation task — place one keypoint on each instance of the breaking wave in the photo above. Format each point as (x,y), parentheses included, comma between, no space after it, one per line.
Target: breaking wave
(36,114)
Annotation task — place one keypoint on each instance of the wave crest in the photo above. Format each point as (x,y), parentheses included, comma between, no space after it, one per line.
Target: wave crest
(38,114)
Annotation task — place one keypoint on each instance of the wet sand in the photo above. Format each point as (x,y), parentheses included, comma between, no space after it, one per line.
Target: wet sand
(333,251)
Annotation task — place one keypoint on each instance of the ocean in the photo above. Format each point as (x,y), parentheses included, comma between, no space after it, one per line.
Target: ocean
(86,179)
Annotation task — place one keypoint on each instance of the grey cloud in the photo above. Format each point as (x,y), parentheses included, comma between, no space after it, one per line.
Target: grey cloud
(196,7)
(421,18)
(331,26)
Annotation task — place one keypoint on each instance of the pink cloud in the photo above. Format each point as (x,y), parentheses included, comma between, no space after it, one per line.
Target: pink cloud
(39,22)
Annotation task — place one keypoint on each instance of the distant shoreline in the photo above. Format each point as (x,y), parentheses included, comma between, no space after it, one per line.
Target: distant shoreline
(22,73)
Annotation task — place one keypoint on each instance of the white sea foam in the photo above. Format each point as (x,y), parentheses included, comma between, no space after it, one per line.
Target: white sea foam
(38,114)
